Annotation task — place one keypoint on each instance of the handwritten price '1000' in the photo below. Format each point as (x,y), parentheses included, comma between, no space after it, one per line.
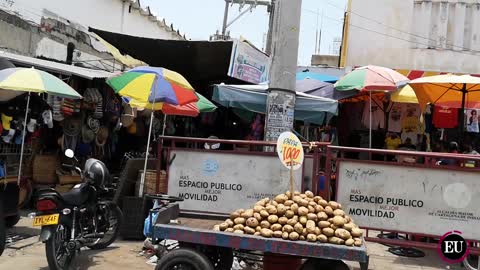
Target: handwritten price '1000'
(290,153)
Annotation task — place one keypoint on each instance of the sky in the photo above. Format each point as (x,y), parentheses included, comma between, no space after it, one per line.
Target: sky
(199,19)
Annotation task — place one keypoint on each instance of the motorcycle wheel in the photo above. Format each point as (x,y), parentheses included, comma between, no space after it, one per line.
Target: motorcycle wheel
(115,218)
(58,256)
(3,233)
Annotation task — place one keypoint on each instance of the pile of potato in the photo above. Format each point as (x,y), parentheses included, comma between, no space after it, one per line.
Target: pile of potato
(295,217)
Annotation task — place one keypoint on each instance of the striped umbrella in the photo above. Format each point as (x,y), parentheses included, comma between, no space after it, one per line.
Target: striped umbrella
(37,81)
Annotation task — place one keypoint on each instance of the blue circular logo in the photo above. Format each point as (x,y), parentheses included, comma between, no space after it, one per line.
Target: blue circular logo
(210,167)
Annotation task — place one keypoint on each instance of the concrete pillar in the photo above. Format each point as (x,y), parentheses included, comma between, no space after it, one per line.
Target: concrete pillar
(459,26)
(416,25)
(442,22)
(424,23)
(475,40)
(285,41)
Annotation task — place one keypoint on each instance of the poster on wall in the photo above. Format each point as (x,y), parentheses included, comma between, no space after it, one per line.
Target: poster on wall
(408,199)
(221,182)
(248,63)
(280,115)
(471,121)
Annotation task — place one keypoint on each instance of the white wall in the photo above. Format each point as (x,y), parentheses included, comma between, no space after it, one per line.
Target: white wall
(109,15)
(421,35)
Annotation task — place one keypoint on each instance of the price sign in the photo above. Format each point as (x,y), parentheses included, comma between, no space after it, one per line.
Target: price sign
(289,149)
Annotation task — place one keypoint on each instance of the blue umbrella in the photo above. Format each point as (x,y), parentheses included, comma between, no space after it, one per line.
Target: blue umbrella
(317,76)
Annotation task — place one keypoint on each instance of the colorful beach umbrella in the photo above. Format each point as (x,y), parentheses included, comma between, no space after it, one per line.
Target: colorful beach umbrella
(371,78)
(404,95)
(37,81)
(152,85)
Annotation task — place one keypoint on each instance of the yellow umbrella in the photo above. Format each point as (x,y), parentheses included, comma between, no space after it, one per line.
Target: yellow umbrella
(404,95)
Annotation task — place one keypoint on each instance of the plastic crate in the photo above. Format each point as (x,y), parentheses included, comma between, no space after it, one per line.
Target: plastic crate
(135,210)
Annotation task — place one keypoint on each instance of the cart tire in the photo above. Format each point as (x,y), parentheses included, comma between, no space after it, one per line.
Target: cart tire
(184,256)
(12,220)
(221,258)
(315,264)
(3,232)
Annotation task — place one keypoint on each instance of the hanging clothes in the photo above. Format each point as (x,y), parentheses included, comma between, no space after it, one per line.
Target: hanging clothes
(471,119)
(378,115)
(444,117)
(395,117)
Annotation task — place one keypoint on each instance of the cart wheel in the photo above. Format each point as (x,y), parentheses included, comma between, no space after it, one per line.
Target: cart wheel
(221,258)
(184,258)
(314,264)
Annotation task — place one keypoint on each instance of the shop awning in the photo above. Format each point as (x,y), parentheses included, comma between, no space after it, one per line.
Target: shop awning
(308,108)
(64,69)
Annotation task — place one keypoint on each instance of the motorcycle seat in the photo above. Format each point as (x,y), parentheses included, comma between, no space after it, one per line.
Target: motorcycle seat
(77,196)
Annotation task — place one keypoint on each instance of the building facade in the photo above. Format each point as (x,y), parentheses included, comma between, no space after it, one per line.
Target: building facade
(429,35)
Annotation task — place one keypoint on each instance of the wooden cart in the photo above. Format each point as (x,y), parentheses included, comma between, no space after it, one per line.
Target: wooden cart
(202,248)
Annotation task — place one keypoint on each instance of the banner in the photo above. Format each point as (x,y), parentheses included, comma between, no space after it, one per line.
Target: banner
(408,199)
(247,63)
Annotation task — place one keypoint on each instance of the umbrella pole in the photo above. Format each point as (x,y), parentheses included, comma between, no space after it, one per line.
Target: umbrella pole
(23,140)
(142,182)
(370,119)
(462,114)
(164,125)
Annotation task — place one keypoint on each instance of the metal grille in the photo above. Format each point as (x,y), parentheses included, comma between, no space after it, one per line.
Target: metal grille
(14,149)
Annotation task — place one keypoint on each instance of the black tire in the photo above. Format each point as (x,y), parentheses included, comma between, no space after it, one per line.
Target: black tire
(112,235)
(315,264)
(12,220)
(56,245)
(3,233)
(184,257)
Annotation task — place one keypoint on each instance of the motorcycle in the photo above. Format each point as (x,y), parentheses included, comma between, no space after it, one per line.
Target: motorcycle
(82,217)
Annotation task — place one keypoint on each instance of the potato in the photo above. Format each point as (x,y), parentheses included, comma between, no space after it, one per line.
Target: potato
(339,212)
(223,226)
(334,227)
(303,196)
(311,209)
(318,209)
(272,219)
(338,221)
(249,230)
(287,228)
(317,199)
(234,215)
(336,240)
(282,221)
(304,232)
(239,227)
(266,232)
(295,218)
(329,210)
(323,203)
(309,194)
(289,214)
(229,230)
(273,203)
(310,226)
(258,208)
(303,202)
(303,220)
(349,226)
(281,198)
(323,224)
(272,210)
(239,232)
(288,203)
(317,231)
(252,222)
(312,216)
(356,232)
(322,238)
(296,199)
(265,224)
(257,216)
(258,228)
(239,220)
(322,216)
(292,222)
(277,234)
(296,193)
(241,211)
(349,242)
(302,238)
(312,203)
(264,214)
(302,211)
(276,227)
(293,236)
(229,222)
(348,219)
(334,205)
(216,228)
(330,220)
(342,233)
(257,234)
(311,237)
(285,235)
(298,228)
(294,208)
(328,232)
(281,209)
(247,214)
(288,194)
(262,202)
(357,242)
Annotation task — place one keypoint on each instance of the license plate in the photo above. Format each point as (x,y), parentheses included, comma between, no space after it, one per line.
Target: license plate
(46,220)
